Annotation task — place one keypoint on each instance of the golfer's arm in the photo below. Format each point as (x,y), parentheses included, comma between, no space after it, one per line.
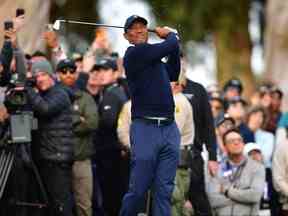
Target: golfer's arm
(149,53)
(173,65)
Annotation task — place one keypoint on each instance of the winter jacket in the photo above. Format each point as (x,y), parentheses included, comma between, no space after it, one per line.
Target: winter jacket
(6,58)
(280,172)
(110,106)
(85,122)
(54,138)
(203,119)
(244,185)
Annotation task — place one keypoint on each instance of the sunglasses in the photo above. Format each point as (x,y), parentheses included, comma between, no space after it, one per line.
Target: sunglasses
(235,140)
(67,70)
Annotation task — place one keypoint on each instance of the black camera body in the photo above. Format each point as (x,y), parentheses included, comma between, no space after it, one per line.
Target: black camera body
(21,120)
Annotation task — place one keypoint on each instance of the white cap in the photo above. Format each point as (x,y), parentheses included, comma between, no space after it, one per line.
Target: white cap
(251,147)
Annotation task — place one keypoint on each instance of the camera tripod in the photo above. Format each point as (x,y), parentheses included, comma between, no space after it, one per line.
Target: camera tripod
(9,158)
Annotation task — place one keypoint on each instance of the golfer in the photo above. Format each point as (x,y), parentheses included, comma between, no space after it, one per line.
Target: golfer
(154,136)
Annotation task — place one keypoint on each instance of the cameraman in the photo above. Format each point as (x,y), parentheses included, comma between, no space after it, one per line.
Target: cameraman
(53,142)
(14,191)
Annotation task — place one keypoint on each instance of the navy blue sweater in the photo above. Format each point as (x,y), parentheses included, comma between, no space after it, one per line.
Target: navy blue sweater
(149,78)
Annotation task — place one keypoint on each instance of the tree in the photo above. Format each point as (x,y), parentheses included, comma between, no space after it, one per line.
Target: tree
(227,22)
(77,36)
(276,49)
(36,18)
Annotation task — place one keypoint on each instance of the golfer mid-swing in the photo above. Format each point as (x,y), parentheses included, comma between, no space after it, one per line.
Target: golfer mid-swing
(154,136)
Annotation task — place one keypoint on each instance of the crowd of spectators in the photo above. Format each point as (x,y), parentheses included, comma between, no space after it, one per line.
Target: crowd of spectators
(87,94)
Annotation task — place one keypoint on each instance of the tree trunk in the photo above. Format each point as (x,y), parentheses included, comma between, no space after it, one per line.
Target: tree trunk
(37,14)
(276,49)
(233,46)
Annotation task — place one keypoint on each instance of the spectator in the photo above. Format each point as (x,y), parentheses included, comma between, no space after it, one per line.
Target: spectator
(85,121)
(13,190)
(94,87)
(223,125)
(274,110)
(204,135)
(265,95)
(281,131)
(53,143)
(78,59)
(256,118)
(6,57)
(112,168)
(280,174)
(236,109)
(217,106)
(253,151)
(238,187)
(232,88)
(185,123)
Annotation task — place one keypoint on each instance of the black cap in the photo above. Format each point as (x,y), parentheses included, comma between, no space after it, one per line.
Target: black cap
(224,118)
(215,95)
(66,63)
(234,83)
(130,20)
(105,63)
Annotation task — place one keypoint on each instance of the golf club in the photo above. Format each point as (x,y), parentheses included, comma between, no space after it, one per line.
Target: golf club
(57,24)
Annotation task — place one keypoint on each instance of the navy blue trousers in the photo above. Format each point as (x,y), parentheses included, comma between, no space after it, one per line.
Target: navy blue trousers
(154,160)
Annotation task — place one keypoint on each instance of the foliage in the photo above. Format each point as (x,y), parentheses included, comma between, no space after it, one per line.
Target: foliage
(198,18)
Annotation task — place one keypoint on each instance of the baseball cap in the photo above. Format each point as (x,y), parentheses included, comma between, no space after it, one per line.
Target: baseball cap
(251,146)
(105,63)
(66,63)
(224,118)
(42,66)
(130,20)
(233,83)
(76,56)
(215,95)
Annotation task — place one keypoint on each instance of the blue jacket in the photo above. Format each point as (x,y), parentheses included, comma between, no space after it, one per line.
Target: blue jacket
(149,78)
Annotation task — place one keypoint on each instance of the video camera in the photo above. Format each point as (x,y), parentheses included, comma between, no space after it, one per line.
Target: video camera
(21,120)
(15,134)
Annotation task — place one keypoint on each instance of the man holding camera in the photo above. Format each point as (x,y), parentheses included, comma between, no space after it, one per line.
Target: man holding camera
(53,145)
(13,190)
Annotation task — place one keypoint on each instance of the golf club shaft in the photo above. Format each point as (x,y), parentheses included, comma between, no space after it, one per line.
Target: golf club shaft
(96,24)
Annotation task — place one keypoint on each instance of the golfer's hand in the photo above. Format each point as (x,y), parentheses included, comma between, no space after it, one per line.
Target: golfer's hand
(162,32)
(213,167)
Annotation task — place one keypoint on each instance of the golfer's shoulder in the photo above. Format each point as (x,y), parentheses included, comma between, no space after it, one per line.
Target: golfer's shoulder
(138,48)
(135,53)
